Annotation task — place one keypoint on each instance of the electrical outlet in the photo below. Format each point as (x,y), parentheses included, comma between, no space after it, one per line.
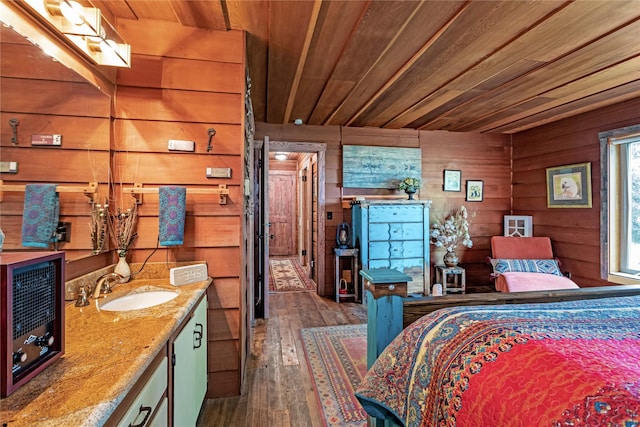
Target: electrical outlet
(63,232)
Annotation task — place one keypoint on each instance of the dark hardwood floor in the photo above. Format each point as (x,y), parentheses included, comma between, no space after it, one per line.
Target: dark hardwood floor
(278,390)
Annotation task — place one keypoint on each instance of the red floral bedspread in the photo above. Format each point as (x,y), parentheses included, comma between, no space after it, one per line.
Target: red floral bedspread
(558,364)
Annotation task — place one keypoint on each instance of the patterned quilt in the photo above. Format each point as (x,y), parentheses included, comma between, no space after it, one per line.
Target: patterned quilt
(557,364)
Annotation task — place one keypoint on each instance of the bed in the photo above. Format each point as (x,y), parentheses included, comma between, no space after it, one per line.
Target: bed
(564,363)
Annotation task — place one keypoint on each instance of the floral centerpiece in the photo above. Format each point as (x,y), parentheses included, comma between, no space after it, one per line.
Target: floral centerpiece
(450,232)
(409,185)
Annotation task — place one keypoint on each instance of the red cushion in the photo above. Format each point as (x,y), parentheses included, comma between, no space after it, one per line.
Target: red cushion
(521,247)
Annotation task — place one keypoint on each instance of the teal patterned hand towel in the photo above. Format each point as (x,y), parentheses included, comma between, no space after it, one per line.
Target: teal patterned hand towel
(171,215)
(40,215)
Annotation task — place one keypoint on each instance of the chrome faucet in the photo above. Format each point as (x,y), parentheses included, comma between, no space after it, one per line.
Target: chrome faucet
(105,283)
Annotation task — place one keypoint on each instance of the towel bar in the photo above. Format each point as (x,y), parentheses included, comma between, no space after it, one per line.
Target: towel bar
(137,191)
(89,190)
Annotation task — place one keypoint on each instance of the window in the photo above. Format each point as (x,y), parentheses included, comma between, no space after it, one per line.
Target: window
(620,212)
(630,262)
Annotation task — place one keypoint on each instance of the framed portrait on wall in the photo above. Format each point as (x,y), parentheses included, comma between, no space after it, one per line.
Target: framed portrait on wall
(569,186)
(475,190)
(452,179)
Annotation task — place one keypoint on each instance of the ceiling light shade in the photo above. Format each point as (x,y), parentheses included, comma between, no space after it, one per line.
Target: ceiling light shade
(72,10)
(87,29)
(69,16)
(282,156)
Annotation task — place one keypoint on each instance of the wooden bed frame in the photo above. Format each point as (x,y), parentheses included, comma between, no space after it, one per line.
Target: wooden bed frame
(390,311)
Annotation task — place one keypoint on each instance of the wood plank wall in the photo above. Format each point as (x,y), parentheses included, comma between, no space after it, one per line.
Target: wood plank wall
(574,233)
(478,156)
(178,89)
(48,98)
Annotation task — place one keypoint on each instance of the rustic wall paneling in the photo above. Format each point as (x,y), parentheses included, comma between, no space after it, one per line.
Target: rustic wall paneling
(479,156)
(48,98)
(178,89)
(575,233)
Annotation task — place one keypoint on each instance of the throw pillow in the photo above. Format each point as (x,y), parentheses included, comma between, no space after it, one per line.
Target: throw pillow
(547,266)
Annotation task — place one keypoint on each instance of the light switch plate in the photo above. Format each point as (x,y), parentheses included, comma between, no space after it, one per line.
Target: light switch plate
(9,167)
(181,145)
(218,172)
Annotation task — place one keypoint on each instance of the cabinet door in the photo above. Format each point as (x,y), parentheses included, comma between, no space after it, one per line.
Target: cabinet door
(145,403)
(190,369)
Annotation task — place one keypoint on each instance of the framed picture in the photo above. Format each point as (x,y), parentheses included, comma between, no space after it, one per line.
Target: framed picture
(475,190)
(452,180)
(379,167)
(569,186)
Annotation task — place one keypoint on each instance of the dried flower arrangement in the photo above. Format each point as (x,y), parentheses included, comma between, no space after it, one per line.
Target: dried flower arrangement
(122,226)
(98,226)
(451,231)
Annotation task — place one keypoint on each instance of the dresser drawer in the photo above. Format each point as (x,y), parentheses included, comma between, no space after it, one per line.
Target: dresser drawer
(396,231)
(396,213)
(396,249)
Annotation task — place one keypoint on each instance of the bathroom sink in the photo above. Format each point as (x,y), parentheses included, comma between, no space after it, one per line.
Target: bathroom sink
(138,300)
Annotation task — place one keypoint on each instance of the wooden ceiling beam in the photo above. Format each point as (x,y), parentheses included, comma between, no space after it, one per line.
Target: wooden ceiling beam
(522,76)
(407,66)
(302,60)
(615,95)
(208,14)
(618,75)
(368,40)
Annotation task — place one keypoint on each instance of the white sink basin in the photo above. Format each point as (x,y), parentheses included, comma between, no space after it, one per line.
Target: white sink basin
(138,300)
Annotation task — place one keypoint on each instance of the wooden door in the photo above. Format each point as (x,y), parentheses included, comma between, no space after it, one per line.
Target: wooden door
(282,212)
(261,229)
(315,253)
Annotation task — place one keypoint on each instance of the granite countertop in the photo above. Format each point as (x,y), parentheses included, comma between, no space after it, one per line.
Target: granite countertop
(105,354)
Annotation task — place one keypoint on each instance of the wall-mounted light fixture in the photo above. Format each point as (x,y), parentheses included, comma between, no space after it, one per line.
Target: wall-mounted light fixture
(86,28)
(281,156)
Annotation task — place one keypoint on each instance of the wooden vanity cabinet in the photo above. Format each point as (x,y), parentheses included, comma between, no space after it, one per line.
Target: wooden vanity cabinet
(189,367)
(394,234)
(172,389)
(144,403)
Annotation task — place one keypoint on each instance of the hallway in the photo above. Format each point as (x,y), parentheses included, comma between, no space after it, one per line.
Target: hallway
(278,390)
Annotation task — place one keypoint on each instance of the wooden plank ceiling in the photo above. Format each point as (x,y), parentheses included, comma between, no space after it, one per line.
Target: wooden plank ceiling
(469,66)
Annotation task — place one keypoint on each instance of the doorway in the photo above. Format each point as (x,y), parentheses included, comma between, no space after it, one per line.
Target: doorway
(299,228)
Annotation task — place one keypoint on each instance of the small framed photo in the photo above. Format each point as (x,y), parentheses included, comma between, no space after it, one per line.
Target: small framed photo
(452,179)
(475,190)
(569,186)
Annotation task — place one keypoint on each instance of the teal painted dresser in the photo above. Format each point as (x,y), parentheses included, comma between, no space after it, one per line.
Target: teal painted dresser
(394,234)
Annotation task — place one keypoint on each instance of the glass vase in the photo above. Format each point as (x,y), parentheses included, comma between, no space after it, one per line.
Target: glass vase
(123,269)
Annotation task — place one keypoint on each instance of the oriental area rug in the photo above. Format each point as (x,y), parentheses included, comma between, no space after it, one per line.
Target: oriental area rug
(337,359)
(287,275)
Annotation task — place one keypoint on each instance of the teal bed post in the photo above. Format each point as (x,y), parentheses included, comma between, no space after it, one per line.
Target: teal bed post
(386,289)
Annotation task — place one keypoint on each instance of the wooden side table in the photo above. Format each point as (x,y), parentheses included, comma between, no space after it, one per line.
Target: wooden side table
(458,279)
(352,254)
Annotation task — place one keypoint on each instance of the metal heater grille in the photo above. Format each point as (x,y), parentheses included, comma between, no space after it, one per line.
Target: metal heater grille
(34,296)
